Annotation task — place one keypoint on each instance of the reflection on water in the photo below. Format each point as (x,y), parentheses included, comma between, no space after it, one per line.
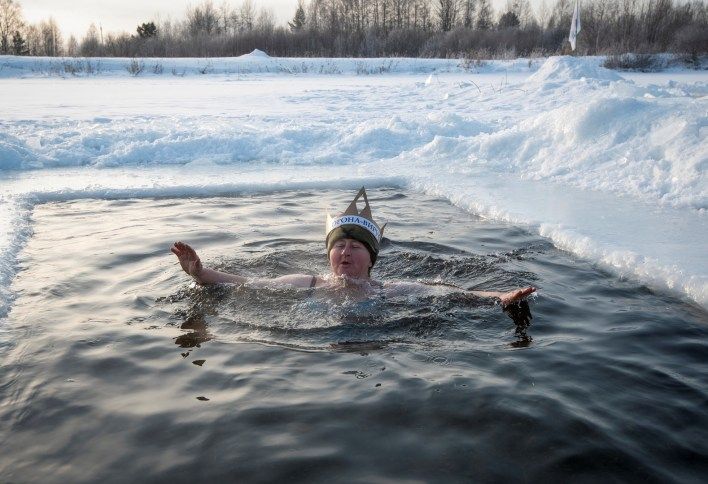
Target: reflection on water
(358,346)
(198,335)
(520,313)
(118,369)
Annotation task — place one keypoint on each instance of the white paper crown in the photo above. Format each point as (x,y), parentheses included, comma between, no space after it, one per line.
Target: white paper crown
(352,216)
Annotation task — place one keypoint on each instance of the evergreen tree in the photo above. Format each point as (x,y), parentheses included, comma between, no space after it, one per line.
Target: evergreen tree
(147,30)
(509,20)
(298,22)
(19,45)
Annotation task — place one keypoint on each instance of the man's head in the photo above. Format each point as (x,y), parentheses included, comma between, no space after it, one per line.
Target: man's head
(350,257)
(359,228)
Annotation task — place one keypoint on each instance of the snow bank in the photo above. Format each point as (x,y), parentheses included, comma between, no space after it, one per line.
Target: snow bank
(627,145)
(565,68)
(256,62)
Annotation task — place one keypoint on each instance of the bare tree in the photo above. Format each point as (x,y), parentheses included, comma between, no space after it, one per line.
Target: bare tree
(522,9)
(203,19)
(91,44)
(484,15)
(439,28)
(544,14)
(72,46)
(10,22)
(562,13)
(657,20)
(595,23)
(247,16)
(51,38)
(468,13)
(265,22)
(228,18)
(33,38)
(447,13)
(425,15)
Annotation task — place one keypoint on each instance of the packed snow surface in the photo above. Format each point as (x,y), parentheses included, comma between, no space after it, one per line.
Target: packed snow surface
(610,167)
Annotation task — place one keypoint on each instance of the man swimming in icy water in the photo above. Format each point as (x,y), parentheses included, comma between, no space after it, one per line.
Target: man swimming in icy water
(353,240)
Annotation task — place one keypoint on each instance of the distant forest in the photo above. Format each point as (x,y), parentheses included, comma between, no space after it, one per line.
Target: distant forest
(468,29)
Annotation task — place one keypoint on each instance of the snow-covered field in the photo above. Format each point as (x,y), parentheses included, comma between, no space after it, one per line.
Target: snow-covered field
(611,167)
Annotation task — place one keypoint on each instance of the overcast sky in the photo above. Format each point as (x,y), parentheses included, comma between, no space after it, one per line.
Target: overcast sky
(75,16)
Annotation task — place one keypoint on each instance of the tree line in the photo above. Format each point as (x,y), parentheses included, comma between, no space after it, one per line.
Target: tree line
(381,28)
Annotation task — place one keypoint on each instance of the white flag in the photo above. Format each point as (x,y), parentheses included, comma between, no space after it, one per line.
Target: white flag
(575,24)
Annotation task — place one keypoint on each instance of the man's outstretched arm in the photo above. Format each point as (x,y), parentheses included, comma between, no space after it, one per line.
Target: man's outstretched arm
(506,298)
(412,287)
(192,265)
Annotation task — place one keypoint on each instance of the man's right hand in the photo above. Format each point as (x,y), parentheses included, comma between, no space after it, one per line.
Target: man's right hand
(188,259)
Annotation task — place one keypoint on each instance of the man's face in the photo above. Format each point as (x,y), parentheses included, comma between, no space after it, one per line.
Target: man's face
(349,257)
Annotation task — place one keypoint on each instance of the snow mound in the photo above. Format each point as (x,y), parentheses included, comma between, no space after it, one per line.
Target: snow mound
(567,68)
(256,53)
(628,146)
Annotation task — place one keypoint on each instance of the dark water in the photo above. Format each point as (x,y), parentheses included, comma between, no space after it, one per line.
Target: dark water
(116,369)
